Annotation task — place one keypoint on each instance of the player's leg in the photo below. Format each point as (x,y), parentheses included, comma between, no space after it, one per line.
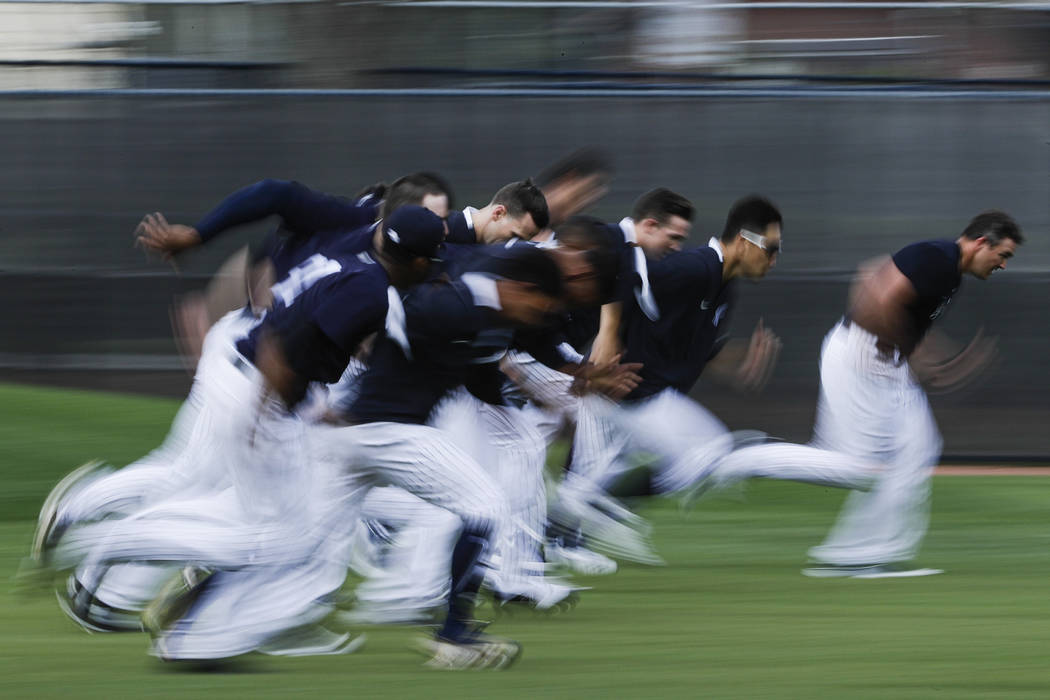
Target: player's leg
(519,469)
(886,524)
(147,479)
(410,575)
(872,408)
(261,607)
(425,462)
(787,461)
(601,453)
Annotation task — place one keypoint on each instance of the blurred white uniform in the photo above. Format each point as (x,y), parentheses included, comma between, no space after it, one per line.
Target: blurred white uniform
(505,442)
(271,525)
(187,463)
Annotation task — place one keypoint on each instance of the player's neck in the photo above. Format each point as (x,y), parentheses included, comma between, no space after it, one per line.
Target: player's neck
(967,249)
(481,219)
(730,261)
(395,271)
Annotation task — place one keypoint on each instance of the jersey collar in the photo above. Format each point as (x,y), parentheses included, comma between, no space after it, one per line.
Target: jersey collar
(719,250)
(627,226)
(468,215)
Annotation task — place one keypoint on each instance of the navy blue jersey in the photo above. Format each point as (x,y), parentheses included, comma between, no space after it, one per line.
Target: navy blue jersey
(932,267)
(336,243)
(445,332)
(457,258)
(695,305)
(460,229)
(303,213)
(322,311)
(450,336)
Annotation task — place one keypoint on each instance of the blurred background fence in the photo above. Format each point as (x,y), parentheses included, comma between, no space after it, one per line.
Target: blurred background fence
(870,124)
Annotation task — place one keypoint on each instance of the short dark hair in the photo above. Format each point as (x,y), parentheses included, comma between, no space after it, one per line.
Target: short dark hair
(994,225)
(582,231)
(583,162)
(521,198)
(661,204)
(411,188)
(753,213)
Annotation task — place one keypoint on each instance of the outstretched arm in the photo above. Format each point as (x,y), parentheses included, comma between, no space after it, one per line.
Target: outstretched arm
(302,211)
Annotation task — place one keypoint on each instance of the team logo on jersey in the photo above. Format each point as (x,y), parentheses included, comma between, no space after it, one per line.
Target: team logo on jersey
(705,305)
(942,307)
(393,235)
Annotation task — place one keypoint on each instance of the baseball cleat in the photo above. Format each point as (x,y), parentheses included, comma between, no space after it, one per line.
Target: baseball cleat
(609,528)
(82,607)
(315,641)
(580,560)
(890,572)
(478,651)
(866,571)
(49,526)
(174,599)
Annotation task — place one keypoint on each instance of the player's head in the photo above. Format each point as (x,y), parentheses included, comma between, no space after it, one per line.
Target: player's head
(411,238)
(989,240)
(662,221)
(587,253)
(529,284)
(517,210)
(426,189)
(574,183)
(751,235)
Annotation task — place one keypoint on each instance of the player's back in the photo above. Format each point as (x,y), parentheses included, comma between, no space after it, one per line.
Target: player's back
(413,365)
(322,311)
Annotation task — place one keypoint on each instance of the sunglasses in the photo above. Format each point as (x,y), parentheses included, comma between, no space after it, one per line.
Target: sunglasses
(760,241)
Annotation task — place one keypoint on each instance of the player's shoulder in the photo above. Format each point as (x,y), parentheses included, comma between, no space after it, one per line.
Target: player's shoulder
(699,261)
(361,271)
(941,252)
(616,231)
(937,247)
(346,242)
(459,231)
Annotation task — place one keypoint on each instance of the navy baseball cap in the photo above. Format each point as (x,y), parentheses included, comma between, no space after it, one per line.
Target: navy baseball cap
(413,231)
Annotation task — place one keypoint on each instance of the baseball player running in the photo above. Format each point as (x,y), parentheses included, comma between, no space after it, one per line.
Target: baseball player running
(872,404)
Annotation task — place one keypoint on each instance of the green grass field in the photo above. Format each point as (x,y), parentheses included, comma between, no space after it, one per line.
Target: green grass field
(730,616)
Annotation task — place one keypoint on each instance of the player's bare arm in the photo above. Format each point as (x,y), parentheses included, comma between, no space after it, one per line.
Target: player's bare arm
(879,305)
(272,363)
(607,343)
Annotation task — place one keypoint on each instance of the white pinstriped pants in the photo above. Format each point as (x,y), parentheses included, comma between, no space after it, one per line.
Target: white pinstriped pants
(417,458)
(507,445)
(690,444)
(874,409)
(185,464)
